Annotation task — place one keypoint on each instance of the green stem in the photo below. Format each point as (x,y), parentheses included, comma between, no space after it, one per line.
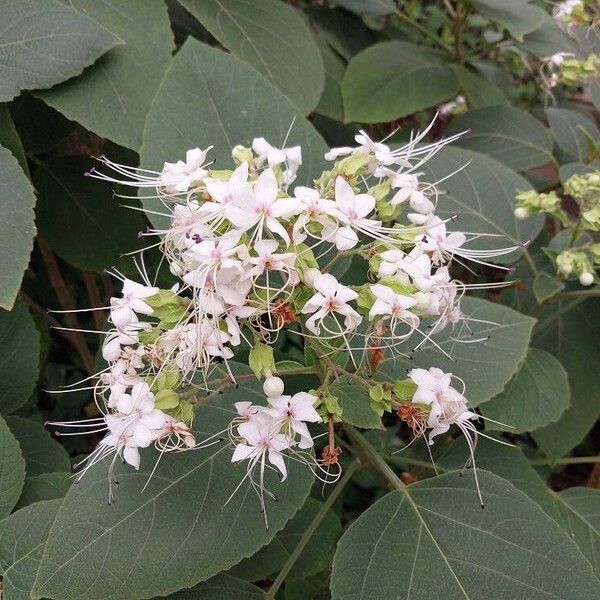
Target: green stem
(400,460)
(580,294)
(310,530)
(374,458)
(530,262)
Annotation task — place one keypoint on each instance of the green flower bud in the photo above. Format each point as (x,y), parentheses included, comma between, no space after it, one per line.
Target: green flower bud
(242,154)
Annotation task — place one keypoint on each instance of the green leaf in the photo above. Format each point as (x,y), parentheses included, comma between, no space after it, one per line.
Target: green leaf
(45,486)
(510,135)
(16,226)
(507,462)
(580,512)
(570,331)
(40,127)
(330,104)
(548,39)
(248,106)
(9,138)
(390,80)
(22,539)
(518,16)
(273,38)
(485,366)
(537,395)
(19,357)
(12,470)
(356,404)
(432,540)
(113,97)
(42,454)
(184,506)
(375,8)
(480,92)
(571,130)
(482,195)
(545,287)
(73,209)
(43,43)
(315,557)
(220,587)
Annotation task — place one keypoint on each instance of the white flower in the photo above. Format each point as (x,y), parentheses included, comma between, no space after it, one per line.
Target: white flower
(381,152)
(123,310)
(395,305)
(264,208)
(292,412)
(180,176)
(438,244)
(331,297)
(292,157)
(446,405)
(312,209)
(261,440)
(352,210)
(269,260)
(143,420)
(224,194)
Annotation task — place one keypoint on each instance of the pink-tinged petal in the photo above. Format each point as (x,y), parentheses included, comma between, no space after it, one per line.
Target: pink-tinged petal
(111,349)
(379,308)
(337,152)
(251,431)
(240,175)
(424,396)
(326,283)
(456,239)
(345,238)
(242,408)
(242,452)
(142,436)
(300,428)
(311,324)
(276,227)
(131,456)
(383,292)
(422,378)
(313,304)
(277,460)
(266,188)
(121,316)
(345,294)
(365,203)
(125,404)
(155,419)
(242,218)
(266,247)
(344,196)
(352,318)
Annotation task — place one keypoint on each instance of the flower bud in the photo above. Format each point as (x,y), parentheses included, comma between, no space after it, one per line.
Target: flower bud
(521,213)
(308,276)
(586,278)
(242,154)
(176,269)
(273,387)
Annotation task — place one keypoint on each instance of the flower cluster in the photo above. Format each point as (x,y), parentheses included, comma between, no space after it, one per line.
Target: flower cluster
(563,68)
(582,257)
(253,254)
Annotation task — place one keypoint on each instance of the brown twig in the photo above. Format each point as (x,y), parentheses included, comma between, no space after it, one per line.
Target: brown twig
(64,297)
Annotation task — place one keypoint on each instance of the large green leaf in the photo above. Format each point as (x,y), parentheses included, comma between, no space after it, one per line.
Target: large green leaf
(42,454)
(507,134)
(12,470)
(580,517)
(22,539)
(376,8)
(573,133)
(518,16)
(390,80)
(331,104)
(537,395)
(238,104)
(355,403)
(113,97)
(72,210)
(19,357)
(16,226)
(479,91)
(315,557)
(485,366)
(432,540)
(9,137)
(45,486)
(548,39)
(43,43)
(571,331)
(273,38)
(482,195)
(96,550)
(220,587)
